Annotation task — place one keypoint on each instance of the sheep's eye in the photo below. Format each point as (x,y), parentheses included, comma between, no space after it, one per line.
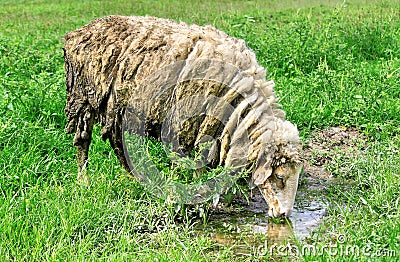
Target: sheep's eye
(280,180)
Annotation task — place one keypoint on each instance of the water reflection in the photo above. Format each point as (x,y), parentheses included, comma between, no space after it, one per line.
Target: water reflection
(244,230)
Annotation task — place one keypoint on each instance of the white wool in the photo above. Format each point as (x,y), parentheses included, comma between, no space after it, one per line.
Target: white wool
(286,132)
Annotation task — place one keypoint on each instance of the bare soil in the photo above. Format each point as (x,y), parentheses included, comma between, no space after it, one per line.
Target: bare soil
(329,152)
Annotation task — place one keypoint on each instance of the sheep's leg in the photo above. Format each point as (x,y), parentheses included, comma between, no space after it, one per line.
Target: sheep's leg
(82,140)
(83,151)
(115,138)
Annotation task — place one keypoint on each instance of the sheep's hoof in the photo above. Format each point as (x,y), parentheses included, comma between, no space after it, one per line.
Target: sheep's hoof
(83,178)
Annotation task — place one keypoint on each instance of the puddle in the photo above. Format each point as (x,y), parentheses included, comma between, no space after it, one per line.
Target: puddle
(301,223)
(249,226)
(248,231)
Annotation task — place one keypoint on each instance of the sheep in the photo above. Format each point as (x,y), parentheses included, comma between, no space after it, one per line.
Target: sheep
(108,64)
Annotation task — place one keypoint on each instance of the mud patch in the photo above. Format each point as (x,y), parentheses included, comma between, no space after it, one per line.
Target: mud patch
(330,152)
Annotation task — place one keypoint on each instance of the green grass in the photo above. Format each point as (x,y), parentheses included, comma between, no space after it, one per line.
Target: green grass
(334,64)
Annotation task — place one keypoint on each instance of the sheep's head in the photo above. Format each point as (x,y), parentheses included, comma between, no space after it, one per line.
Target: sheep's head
(278,170)
(278,186)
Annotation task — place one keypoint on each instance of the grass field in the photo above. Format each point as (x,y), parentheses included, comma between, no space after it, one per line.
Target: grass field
(334,63)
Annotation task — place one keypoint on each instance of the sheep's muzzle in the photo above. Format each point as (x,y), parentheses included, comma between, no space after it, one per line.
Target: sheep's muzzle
(279,188)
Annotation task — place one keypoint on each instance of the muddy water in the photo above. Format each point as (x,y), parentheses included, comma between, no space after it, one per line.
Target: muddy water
(246,225)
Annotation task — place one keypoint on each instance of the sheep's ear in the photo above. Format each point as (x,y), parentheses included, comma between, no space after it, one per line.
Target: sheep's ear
(261,174)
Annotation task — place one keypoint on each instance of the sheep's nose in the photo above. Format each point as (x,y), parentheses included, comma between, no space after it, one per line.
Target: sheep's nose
(287,213)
